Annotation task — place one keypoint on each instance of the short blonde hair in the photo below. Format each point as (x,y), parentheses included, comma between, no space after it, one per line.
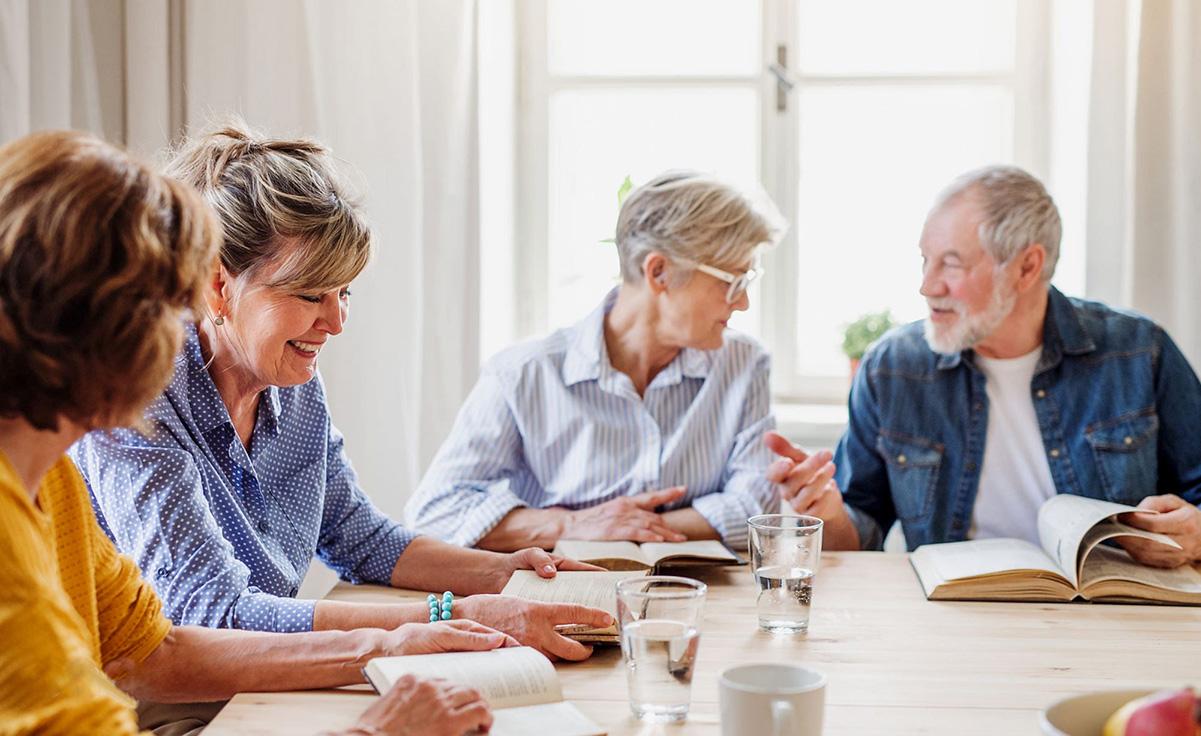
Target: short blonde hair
(99,258)
(692,217)
(270,195)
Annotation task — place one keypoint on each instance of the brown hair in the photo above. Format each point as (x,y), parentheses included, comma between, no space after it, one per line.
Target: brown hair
(270,194)
(99,255)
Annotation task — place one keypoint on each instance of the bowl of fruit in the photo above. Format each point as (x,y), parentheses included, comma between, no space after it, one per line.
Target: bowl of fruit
(1126,713)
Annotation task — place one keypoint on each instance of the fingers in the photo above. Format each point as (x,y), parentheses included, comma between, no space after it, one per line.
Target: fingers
(471,718)
(458,640)
(538,560)
(458,697)
(815,471)
(1153,553)
(653,499)
(782,447)
(1175,521)
(1165,502)
(566,563)
(811,496)
(570,613)
(561,647)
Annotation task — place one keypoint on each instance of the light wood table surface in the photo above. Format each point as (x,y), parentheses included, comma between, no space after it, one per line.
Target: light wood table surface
(896,663)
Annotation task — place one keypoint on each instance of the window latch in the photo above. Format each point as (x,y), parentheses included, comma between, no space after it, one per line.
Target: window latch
(785,79)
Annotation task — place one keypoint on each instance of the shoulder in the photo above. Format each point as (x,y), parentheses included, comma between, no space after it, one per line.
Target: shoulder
(532,357)
(1117,330)
(741,352)
(902,349)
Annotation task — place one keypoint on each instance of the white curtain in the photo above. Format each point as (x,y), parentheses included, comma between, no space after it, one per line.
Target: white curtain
(1144,221)
(389,85)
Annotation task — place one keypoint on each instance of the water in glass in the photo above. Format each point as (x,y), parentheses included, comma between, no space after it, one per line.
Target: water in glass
(784,597)
(659,659)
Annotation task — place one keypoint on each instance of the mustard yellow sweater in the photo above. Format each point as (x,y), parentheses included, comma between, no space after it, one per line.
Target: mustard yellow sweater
(69,604)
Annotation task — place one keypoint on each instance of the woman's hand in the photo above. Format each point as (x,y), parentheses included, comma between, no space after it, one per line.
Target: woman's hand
(1178,519)
(626,518)
(427,707)
(459,635)
(533,623)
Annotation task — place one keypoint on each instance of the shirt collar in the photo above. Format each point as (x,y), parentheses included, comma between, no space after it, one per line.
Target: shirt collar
(587,357)
(202,391)
(1063,334)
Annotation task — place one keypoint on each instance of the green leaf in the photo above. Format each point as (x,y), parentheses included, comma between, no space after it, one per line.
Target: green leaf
(861,333)
(624,189)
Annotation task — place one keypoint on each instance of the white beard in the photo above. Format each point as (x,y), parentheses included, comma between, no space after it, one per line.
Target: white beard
(969,330)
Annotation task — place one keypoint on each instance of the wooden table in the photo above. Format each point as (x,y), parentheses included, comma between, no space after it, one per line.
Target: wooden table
(896,663)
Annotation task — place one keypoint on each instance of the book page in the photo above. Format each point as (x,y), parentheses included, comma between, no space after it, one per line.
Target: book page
(1063,522)
(595,589)
(653,552)
(560,719)
(956,560)
(507,678)
(1108,563)
(585,550)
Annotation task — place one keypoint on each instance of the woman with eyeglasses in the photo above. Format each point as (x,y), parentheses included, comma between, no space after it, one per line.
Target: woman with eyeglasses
(643,421)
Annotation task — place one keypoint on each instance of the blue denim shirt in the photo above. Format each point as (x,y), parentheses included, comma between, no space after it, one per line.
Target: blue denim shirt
(1117,405)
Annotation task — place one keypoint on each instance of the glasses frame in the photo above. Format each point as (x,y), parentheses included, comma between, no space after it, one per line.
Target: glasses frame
(739,282)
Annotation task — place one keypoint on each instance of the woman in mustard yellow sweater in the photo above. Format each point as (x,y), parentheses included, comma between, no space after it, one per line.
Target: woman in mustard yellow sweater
(99,258)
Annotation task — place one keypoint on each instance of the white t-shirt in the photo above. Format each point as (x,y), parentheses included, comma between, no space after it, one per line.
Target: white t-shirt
(1015,478)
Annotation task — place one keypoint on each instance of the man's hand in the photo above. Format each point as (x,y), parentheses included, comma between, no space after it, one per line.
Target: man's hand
(807,484)
(627,518)
(428,707)
(533,623)
(459,635)
(1178,519)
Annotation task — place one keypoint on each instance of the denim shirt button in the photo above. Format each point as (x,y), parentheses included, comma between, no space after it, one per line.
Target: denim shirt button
(1042,394)
(971,467)
(901,459)
(1127,440)
(1055,452)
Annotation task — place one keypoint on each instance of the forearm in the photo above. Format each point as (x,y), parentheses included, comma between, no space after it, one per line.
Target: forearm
(200,664)
(429,564)
(690,523)
(526,527)
(839,534)
(344,616)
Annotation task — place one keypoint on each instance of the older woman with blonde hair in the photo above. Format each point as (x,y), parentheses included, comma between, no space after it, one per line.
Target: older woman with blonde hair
(100,261)
(643,421)
(239,477)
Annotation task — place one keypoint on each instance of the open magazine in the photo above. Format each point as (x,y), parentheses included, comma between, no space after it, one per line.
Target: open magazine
(1071,562)
(519,684)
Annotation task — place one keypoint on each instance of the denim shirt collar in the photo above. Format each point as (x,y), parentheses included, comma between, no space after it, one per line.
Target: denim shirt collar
(1063,334)
(587,356)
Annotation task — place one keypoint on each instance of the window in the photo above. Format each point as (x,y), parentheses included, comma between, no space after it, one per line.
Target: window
(850,115)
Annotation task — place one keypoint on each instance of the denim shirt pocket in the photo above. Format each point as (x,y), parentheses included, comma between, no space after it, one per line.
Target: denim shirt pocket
(913,465)
(1125,450)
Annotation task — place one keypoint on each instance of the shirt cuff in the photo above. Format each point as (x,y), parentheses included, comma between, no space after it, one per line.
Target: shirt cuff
(378,565)
(477,522)
(870,536)
(258,611)
(727,515)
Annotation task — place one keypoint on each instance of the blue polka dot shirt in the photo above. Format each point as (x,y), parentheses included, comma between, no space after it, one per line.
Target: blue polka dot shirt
(226,535)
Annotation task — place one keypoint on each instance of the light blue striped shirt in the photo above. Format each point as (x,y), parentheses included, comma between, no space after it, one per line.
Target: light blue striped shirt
(552,423)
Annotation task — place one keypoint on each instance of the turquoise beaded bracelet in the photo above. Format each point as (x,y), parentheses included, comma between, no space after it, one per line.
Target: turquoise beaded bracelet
(441,611)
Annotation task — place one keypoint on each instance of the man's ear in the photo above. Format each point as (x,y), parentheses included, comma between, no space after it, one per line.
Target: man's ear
(654,272)
(1030,266)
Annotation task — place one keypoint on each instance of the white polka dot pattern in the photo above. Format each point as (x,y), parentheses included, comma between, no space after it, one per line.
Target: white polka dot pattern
(225,535)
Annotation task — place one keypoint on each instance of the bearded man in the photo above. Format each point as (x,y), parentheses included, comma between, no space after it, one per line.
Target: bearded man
(963,424)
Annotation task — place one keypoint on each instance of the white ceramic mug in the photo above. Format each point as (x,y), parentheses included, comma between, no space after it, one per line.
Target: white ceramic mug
(772,700)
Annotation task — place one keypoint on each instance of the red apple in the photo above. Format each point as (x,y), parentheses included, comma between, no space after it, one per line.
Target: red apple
(1163,713)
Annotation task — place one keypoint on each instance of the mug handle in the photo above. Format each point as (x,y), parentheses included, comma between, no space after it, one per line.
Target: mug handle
(783,717)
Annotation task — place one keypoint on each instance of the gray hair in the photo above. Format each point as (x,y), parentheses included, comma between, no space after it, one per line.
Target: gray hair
(692,218)
(1017,211)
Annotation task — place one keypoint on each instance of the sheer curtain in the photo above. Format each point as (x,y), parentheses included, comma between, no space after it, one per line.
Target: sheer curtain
(388,85)
(1144,208)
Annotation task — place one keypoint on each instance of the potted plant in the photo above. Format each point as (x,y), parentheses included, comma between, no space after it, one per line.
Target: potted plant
(861,333)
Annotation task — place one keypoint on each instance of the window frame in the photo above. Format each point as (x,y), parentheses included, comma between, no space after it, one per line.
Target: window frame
(779,164)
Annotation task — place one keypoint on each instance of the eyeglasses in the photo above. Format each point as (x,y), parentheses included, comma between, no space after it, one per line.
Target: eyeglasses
(738,282)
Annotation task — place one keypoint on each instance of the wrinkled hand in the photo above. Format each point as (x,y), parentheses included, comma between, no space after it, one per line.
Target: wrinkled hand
(626,518)
(427,707)
(533,624)
(806,481)
(543,563)
(1178,519)
(458,635)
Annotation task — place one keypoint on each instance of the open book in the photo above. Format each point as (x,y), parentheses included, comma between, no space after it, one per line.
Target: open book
(519,683)
(648,555)
(1072,563)
(595,589)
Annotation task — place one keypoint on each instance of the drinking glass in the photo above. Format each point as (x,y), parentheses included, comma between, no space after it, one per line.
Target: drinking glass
(785,552)
(660,634)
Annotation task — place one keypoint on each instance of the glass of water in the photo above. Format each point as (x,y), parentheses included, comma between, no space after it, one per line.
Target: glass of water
(660,633)
(785,552)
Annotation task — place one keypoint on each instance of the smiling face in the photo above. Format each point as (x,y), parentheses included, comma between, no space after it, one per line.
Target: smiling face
(969,296)
(274,335)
